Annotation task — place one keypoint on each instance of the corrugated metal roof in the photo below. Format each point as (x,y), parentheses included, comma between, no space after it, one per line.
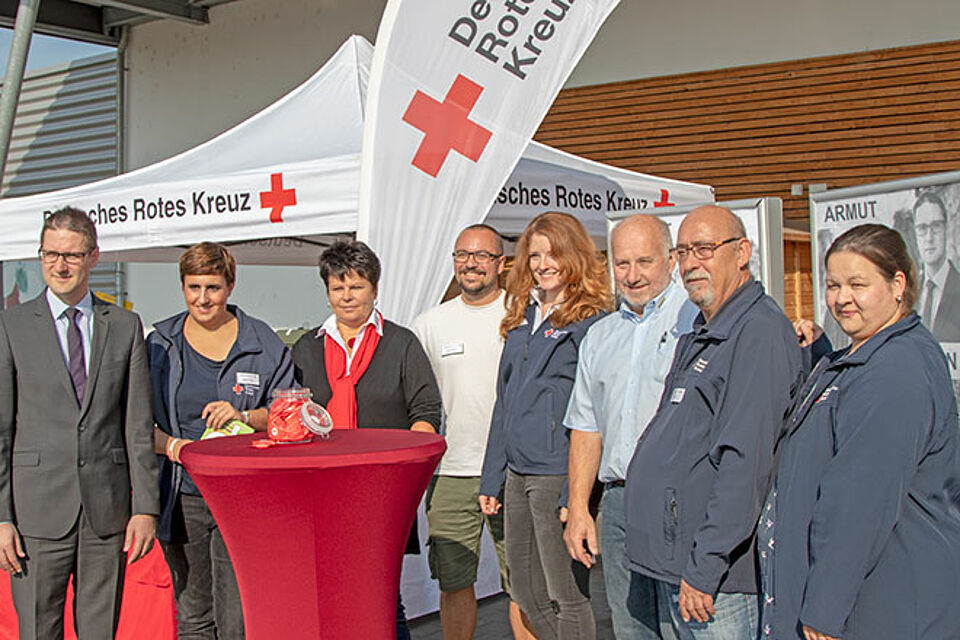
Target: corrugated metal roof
(65,131)
(65,134)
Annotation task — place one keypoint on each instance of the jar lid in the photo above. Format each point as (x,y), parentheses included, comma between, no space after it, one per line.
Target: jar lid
(316,418)
(299,393)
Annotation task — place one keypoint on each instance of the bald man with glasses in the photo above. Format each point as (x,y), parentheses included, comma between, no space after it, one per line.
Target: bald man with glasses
(701,472)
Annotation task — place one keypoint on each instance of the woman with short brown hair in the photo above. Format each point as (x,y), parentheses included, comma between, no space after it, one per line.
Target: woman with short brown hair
(209,364)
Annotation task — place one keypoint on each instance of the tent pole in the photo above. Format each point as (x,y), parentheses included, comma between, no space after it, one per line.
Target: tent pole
(22,32)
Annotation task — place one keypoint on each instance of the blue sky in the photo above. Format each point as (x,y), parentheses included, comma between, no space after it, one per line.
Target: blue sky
(46,51)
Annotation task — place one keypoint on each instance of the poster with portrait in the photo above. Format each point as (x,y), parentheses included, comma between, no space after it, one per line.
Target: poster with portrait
(762,220)
(926,212)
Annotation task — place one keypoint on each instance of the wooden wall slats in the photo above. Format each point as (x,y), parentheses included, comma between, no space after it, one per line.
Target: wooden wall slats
(755,131)
(871,60)
(765,124)
(924,79)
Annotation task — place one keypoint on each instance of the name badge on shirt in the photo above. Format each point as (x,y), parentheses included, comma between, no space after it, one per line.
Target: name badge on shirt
(247,384)
(248,378)
(451,350)
(677,396)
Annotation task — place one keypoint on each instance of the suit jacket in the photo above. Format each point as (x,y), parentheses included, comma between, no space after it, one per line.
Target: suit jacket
(946,323)
(56,454)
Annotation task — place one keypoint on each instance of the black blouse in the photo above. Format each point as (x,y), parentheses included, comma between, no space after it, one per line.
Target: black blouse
(397,389)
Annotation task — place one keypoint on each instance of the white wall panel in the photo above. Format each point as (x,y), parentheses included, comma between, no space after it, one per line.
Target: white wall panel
(645,38)
(187,83)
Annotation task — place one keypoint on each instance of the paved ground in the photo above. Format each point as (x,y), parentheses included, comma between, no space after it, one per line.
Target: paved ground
(492,623)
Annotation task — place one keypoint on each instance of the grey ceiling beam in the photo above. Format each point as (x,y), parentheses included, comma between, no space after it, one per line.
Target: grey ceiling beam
(120,17)
(172,9)
(65,19)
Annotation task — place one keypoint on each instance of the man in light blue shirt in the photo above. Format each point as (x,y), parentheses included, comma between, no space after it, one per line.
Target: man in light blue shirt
(61,320)
(624,359)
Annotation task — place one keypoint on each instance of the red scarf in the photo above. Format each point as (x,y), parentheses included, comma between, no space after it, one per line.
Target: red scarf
(343,404)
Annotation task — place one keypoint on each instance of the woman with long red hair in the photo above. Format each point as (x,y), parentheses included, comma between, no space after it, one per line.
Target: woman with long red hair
(557,288)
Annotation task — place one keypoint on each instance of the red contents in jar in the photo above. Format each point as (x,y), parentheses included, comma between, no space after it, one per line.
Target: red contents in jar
(283,421)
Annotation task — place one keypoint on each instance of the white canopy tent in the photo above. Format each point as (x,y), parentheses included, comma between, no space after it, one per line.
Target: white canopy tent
(279,185)
(304,148)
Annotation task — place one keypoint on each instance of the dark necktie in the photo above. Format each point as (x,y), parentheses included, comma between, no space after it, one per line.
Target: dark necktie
(78,369)
(927,311)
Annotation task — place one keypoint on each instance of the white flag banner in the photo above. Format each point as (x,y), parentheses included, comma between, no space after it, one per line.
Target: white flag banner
(456,92)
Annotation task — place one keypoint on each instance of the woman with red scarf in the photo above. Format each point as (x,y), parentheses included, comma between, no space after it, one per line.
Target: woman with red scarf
(367,371)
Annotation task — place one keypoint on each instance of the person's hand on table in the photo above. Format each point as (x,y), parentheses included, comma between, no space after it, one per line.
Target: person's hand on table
(580,536)
(695,603)
(422,426)
(141,531)
(171,446)
(813,634)
(11,549)
(489,505)
(219,412)
(808,332)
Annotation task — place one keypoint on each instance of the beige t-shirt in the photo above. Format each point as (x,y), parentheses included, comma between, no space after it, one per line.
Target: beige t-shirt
(463,343)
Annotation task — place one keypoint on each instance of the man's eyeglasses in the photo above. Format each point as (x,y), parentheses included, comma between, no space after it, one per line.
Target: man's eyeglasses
(702,250)
(482,257)
(937,226)
(72,258)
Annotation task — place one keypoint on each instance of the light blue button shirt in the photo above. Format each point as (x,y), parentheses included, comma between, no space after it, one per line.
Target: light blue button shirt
(58,309)
(624,360)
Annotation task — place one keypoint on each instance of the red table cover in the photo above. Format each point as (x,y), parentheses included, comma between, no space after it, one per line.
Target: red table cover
(317,531)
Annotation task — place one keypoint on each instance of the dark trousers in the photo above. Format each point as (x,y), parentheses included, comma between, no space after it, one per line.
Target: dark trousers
(542,579)
(40,593)
(204,584)
(403,631)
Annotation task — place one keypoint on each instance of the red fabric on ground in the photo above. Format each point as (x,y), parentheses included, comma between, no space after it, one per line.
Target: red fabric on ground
(317,531)
(147,612)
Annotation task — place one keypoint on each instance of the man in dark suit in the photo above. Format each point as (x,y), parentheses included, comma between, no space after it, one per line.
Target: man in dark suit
(78,474)
(939,300)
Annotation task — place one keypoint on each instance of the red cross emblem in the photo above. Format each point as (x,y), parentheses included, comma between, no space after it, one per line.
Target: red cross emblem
(237,389)
(277,198)
(664,200)
(446,125)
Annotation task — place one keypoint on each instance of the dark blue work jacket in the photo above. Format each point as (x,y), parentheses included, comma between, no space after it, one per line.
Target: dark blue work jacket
(534,382)
(700,474)
(867,523)
(257,364)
